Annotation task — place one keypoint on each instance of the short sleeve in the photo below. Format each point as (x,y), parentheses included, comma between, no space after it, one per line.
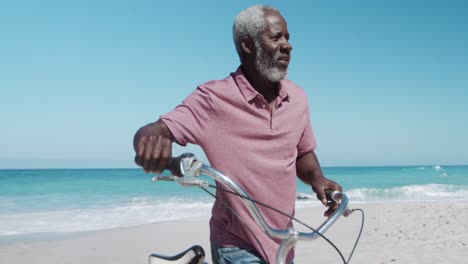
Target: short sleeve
(307,142)
(189,120)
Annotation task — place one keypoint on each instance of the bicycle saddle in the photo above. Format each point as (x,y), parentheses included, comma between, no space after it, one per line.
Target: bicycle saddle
(193,255)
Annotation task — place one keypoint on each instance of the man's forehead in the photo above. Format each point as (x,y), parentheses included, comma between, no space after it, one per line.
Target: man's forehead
(274,20)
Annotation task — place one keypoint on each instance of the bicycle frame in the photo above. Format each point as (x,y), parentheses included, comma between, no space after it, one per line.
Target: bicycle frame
(190,169)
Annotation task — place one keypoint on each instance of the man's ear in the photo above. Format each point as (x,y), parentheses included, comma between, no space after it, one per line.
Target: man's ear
(247,45)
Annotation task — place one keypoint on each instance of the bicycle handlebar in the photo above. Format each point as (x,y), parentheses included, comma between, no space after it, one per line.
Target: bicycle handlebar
(187,169)
(174,166)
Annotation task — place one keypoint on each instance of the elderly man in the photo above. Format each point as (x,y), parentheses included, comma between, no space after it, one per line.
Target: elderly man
(253,126)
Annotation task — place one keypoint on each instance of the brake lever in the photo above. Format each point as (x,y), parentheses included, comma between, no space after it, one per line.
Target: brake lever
(163,178)
(187,170)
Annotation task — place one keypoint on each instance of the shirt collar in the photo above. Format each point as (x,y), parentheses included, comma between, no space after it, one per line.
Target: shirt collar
(250,93)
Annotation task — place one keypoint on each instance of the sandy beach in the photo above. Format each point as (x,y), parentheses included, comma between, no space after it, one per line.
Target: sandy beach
(409,232)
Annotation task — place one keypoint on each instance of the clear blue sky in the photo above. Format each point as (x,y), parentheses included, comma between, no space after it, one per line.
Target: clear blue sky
(387,81)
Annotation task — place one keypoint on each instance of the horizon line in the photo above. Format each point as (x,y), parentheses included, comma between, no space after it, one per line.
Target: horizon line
(324,166)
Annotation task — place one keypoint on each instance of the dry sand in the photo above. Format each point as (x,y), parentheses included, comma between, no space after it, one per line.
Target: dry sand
(410,232)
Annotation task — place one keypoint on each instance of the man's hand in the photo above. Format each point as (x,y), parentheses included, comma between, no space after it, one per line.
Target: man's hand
(153,147)
(319,186)
(309,171)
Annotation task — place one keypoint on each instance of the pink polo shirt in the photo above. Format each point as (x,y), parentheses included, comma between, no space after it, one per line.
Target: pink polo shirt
(255,146)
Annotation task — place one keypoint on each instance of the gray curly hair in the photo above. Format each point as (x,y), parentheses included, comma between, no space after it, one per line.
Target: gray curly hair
(249,22)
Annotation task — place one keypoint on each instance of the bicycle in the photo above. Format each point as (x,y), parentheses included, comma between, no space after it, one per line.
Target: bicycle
(186,170)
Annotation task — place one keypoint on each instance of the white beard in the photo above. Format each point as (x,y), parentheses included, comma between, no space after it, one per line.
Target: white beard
(265,65)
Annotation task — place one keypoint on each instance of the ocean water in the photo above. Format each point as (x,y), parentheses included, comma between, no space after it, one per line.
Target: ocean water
(61,201)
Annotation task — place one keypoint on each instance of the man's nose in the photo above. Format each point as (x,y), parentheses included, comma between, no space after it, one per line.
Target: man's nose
(286,47)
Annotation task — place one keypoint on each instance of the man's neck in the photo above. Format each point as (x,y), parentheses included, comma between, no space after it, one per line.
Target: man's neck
(269,90)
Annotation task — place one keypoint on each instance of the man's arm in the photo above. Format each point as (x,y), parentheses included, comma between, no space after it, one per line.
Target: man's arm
(309,171)
(153,146)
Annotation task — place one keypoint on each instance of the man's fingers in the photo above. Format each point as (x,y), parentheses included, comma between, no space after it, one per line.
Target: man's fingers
(330,211)
(153,153)
(147,154)
(155,157)
(141,146)
(138,160)
(166,154)
(321,196)
(149,148)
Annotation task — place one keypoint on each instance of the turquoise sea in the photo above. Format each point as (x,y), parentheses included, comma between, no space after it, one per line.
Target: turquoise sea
(62,201)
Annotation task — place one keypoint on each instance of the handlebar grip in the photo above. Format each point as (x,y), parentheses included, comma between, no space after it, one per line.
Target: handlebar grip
(328,195)
(174,166)
(179,165)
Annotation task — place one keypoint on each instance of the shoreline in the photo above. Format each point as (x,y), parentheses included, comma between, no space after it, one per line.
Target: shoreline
(410,232)
(309,203)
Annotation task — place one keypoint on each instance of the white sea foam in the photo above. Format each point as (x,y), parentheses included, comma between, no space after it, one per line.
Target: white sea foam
(429,192)
(139,211)
(424,192)
(143,210)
